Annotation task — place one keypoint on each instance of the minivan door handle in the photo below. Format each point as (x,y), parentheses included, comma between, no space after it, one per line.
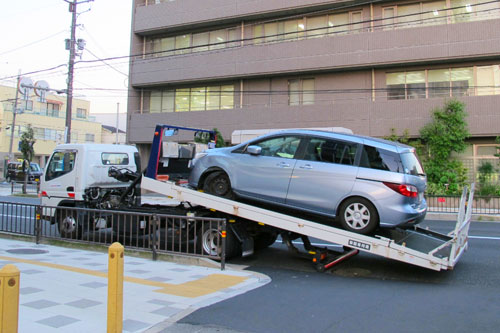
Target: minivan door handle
(306,167)
(283,165)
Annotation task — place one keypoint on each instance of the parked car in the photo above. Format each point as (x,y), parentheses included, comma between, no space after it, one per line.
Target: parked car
(362,182)
(15,172)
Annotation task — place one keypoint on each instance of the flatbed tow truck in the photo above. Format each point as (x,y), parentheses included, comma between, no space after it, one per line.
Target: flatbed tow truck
(90,181)
(416,246)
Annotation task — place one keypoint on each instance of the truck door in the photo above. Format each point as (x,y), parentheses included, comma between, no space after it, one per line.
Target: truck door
(59,179)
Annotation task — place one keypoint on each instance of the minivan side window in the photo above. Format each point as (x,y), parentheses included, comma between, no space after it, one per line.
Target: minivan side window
(330,151)
(282,146)
(380,159)
(61,163)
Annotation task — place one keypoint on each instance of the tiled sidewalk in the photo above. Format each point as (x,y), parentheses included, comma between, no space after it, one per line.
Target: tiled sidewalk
(65,290)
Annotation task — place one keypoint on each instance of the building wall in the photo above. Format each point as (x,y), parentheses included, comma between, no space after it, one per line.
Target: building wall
(110,137)
(350,69)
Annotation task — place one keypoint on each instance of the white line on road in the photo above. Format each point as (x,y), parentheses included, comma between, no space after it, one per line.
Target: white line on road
(484,237)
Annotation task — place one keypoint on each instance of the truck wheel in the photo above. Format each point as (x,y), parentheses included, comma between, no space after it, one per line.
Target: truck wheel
(358,215)
(264,240)
(209,241)
(69,227)
(218,184)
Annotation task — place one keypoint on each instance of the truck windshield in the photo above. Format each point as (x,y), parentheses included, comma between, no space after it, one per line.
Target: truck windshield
(61,163)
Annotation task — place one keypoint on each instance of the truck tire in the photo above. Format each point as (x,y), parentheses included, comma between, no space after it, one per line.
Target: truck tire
(358,215)
(68,224)
(264,240)
(209,241)
(218,183)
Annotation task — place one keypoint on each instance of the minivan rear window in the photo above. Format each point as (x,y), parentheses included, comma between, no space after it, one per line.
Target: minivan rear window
(380,159)
(412,164)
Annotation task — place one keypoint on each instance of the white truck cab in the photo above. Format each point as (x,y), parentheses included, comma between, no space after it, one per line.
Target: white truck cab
(75,171)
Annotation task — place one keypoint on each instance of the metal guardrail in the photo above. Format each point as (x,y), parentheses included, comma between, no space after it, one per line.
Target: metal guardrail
(31,188)
(155,233)
(451,204)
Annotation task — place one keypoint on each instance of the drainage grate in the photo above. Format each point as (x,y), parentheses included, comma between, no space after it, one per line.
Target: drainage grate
(27,251)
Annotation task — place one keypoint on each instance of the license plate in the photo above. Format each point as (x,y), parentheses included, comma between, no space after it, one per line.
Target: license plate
(37,179)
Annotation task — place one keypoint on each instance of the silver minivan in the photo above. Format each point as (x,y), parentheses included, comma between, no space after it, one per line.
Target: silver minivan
(363,182)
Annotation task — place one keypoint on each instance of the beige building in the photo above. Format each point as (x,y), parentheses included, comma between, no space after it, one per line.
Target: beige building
(48,121)
(110,136)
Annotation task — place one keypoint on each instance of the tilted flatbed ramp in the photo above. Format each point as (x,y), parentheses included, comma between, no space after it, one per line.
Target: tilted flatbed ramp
(417,246)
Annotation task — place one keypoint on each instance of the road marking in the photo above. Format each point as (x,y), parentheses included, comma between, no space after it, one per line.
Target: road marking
(484,237)
(196,288)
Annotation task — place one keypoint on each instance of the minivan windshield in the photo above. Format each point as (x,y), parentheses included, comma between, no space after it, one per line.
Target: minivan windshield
(412,164)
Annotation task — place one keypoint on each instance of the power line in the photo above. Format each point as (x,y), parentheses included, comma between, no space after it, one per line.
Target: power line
(33,43)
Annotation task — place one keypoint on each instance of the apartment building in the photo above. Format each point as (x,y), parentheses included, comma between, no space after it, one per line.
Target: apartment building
(48,120)
(366,65)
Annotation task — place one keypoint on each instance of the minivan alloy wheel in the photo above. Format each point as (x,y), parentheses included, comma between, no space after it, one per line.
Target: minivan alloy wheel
(359,215)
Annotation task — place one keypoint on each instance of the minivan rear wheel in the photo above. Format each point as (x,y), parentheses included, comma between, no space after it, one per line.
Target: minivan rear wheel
(358,215)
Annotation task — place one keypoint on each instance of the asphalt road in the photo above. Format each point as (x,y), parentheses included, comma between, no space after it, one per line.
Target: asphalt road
(367,294)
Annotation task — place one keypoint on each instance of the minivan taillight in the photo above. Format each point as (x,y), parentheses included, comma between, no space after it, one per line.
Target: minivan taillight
(403,189)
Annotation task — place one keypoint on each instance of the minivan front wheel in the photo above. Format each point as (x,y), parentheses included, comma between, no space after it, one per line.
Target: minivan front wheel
(358,215)
(217,183)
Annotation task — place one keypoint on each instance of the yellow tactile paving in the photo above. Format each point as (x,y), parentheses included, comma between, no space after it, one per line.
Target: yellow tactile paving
(200,287)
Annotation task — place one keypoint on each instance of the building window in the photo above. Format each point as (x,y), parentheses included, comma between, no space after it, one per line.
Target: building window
(444,82)
(53,109)
(435,12)
(89,137)
(197,42)
(301,92)
(192,99)
(28,105)
(81,113)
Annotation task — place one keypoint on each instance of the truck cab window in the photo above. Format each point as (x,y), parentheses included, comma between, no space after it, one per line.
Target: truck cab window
(114,158)
(60,164)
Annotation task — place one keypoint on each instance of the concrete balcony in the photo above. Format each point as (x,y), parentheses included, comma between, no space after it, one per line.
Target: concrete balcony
(373,118)
(424,45)
(174,14)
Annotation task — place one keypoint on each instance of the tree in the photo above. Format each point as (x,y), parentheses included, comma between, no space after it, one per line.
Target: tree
(404,138)
(444,135)
(26,144)
(203,137)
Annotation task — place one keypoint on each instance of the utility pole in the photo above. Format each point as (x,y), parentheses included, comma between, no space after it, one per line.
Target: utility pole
(14,112)
(72,52)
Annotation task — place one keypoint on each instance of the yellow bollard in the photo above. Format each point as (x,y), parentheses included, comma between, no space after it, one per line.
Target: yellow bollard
(115,288)
(9,298)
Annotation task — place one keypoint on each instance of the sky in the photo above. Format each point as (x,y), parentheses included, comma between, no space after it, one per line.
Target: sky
(32,39)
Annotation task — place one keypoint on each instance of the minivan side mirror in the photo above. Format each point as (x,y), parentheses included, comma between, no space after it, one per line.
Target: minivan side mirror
(254,150)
